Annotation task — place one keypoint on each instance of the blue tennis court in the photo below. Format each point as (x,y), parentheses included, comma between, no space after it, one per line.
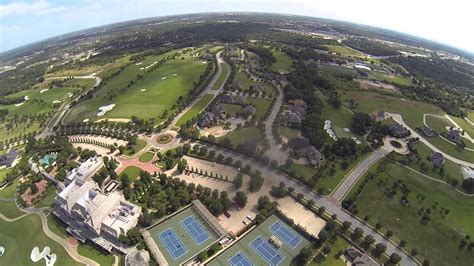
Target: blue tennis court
(240,259)
(173,244)
(267,251)
(287,235)
(195,229)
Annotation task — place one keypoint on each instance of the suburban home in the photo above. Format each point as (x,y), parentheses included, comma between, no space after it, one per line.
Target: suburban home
(256,88)
(399,131)
(86,170)
(7,159)
(290,119)
(379,116)
(428,132)
(355,257)
(454,136)
(208,120)
(304,149)
(467,172)
(218,111)
(437,159)
(249,110)
(231,99)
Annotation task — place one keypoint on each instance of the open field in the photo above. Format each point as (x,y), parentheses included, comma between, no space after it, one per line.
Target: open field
(20,242)
(343,50)
(283,63)
(452,149)
(448,221)
(244,246)
(220,81)
(239,136)
(190,246)
(141,143)
(398,80)
(149,97)
(437,123)
(411,111)
(132,172)
(146,157)
(306,171)
(89,250)
(10,210)
(261,105)
(195,109)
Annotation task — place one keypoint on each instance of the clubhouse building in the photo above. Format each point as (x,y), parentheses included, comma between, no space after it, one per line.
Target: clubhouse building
(92,214)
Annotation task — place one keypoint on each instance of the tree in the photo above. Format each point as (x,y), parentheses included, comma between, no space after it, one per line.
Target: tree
(256,182)
(304,256)
(202,256)
(380,248)
(263,201)
(240,199)
(358,233)
(395,258)
(125,180)
(361,123)
(238,180)
(182,165)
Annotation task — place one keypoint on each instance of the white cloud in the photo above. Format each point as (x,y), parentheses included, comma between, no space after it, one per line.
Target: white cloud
(41,7)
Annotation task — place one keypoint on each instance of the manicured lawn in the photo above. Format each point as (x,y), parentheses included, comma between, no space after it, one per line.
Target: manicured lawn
(464,125)
(411,111)
(220,81)
(141,143)
(334,257)
(146,157)
(437,123)
(439,239)
(283,63)
(9,209)
(9,191)
(94,253)
(340,118)
(57,226)
(195,109)
(239,136)
(149,97)
(289,133)
(231,109)
(20,237)
(303,170)
(48,200)
(132,172)
(85,83)
(261,105)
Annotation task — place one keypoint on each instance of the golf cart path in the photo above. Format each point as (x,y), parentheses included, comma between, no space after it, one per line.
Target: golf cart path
(398,118)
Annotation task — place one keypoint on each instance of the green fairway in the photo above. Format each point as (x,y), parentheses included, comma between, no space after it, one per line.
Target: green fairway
(263,230)
(20,237)
(174,223)
(195,109)
(132,172)
(220,81)
(149,97)
(340,118)
(283,63)
(146,157)
(9,191)
(262,106)
(470,115)
(239,136)
(438,123)
(439,239)
(9,209)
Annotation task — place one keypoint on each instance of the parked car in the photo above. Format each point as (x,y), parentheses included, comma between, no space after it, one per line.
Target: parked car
(250,217)
(227,214)
(245,222)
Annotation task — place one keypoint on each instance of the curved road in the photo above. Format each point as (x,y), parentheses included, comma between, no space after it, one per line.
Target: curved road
(275,153)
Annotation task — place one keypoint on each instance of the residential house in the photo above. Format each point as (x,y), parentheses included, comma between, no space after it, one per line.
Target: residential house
(437,159)
(86,170)
(289,119)
(399,131)
(355,257)
(303,148)
(454,136)
(208,120)
(7,159)
(218,111)
(249,110)
(428,132)
(379,116)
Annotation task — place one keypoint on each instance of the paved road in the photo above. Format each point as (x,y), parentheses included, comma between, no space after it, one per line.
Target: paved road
(208,90)
(332,207)
(275,152)
(398,118)
(357,172)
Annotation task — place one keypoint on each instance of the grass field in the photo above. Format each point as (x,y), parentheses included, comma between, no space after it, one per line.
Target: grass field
(411,111)
(141,143)
(464,125)
(333,258)
(340,118)
(245,82)
(261,105)
(132,172)
(262,230)
(146,157)
(88,70)
(398,80)
(451,149)
(470,115)
(90,251)
(195,109)
(231,109)
(57,226)
(10,210)
(17,130)
(437,123)
(283,63)
(48,200)
(191,246)
(220,81)
(9,191)
(20,237)
(289,133)
(148,97)
(343,50)
(439,239)
(303,170)
(239,136)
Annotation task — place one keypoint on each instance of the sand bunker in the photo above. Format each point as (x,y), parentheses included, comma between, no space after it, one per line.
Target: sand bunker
(154,63)
(163,78)
(44,90)
(45,254)
(142,90)
(2,251)
(70,95)
(56,101)
(19,104)
(85,120)
(175,74)
(329,130)
(27,98)
(104,109)
(137,64)
(204,62)
(141,68)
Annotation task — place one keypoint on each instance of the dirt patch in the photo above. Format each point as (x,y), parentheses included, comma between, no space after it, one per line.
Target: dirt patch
(368,84)
(301,215)
(120,120)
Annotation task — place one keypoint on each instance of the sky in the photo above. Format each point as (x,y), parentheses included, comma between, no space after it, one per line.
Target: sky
(449,22)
